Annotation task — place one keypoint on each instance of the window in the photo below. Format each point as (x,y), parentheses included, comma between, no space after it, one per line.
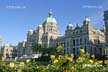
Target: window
(51,30)
(73,33)
(11,54)
(94,41)
(94,32)
(11,50)
(74,51)
(98,41)
(64,51)
(67,50)
(100,51)
(73,42)
(80,31)
(7,55)
(85,49)
(6,49)
(77,32)
(80,40)
(78,51)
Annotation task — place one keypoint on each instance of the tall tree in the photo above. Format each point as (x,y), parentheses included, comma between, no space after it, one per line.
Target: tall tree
(1,55)
(38,48)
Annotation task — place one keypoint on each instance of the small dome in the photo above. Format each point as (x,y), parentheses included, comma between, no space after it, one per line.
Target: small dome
(50,18)
(87,19)
(30,30)
(40,26)
(70,25)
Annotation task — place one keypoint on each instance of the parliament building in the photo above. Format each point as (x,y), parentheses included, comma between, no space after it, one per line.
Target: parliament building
(85,36)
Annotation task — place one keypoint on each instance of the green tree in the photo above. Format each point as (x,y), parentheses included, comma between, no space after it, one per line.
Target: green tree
(36,48)
(1,55)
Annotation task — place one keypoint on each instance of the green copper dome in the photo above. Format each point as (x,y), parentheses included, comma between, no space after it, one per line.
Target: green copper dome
(50,18)
(70,25)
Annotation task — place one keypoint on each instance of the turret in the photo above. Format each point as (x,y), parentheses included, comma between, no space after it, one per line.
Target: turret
(70,27)
(30,32)
(86,21)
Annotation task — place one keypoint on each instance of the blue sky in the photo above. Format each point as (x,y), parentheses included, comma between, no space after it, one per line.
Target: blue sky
(18,16)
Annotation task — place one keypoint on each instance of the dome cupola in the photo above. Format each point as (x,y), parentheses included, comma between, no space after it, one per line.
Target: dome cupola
(50,18)
(30,32)
(86,20)
(40,26)
(69,27)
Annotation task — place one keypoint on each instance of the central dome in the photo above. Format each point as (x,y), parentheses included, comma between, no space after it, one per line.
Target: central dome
(50,18)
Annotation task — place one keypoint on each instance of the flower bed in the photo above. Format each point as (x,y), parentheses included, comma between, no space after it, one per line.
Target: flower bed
(58,63)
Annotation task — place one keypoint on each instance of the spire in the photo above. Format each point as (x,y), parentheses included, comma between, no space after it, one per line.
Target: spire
(50,13)
(70,26)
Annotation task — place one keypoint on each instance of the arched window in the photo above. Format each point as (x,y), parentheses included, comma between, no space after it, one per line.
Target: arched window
(80,40)
(85,49)
(74,51)
(73,42)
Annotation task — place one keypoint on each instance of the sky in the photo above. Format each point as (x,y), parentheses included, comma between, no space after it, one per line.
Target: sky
(18,16)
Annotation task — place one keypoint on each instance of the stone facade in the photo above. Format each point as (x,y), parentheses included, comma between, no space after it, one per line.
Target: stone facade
(9,52)
(84,36)
(21,48)
(43,35)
